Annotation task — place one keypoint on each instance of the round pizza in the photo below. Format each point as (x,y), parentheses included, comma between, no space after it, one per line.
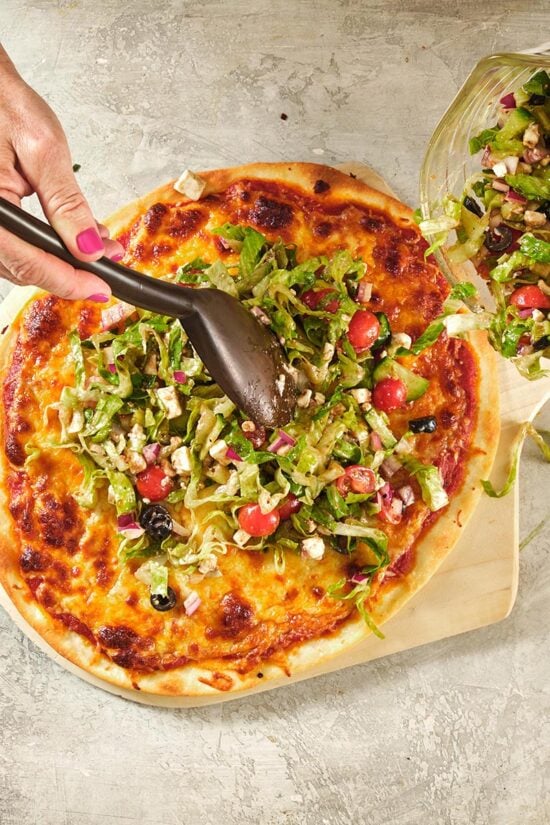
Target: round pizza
(161,540)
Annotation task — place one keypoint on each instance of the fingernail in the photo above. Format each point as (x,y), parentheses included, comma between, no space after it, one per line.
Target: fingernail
(99,298)
(89,241)
(118,257)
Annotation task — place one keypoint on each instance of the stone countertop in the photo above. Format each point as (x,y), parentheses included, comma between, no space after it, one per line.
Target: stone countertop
(454,733)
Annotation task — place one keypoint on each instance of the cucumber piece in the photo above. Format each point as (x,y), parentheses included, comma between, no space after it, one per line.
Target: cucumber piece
(385,331)
(516,123)
(415,384)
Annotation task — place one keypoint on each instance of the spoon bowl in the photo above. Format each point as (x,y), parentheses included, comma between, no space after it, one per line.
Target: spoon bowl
(241,354)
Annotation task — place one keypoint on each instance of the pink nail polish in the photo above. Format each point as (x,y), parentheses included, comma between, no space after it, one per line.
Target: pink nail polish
(89,241)
(100,299)
(118,257)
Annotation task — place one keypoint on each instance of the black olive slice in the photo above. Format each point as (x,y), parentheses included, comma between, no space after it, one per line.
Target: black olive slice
(163,603)
(156,521)
(542,343)
(498,239)
(426,424)
(473,206)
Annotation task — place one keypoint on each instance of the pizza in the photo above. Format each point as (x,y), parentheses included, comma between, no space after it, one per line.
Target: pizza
(161,541)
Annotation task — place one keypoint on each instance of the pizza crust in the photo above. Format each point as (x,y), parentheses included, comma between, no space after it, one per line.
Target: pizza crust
(311,656)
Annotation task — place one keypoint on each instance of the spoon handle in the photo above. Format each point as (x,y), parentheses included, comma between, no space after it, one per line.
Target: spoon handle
(126,284)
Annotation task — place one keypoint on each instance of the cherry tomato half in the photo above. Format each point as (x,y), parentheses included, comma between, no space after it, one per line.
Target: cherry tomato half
(289,506)
(363,330)
(318,299)
(356,479)
(389,394)
(530,297)
(255,523)
(154,484)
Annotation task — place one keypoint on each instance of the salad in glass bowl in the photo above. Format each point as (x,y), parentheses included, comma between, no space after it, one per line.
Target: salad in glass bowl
(493,217)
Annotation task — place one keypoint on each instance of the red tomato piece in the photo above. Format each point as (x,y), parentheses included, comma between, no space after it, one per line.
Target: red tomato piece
(389,394)
(255,523)
(318,299)
(530,297)
(154,484)
(289,506)
(356,479)
(363,330)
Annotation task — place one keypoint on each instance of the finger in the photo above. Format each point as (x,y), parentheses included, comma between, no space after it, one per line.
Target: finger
(113,249)
(25,265)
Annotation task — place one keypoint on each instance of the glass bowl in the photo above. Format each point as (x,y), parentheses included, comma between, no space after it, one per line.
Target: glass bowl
(447,163)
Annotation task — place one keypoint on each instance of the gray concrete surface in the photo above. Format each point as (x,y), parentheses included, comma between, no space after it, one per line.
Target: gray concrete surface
(456,733)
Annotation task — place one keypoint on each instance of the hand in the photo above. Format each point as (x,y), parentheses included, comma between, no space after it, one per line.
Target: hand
(35,157)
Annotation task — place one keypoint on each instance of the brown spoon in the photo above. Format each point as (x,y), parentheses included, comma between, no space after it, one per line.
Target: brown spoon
(241,354)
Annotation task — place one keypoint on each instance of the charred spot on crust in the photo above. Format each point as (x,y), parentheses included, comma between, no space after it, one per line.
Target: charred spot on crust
(87,322)
(58,520)
(153,217)
(271,214)
(43,321)
(322,230)
(389,258)
(373,223)
(447,418)
(15,452)
(183,222)
(76,625)
(236,613)
(321,186)
(219,681)
(118,637)
(33,560)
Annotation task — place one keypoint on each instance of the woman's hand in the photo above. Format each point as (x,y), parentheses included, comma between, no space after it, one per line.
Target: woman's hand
(35,157)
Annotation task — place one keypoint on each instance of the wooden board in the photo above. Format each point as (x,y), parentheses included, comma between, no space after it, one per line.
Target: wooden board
(475,586)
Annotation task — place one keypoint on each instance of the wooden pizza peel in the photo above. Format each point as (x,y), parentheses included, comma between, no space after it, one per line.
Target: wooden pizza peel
(475,586)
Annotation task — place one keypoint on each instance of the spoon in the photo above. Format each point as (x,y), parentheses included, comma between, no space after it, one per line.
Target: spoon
(240,353)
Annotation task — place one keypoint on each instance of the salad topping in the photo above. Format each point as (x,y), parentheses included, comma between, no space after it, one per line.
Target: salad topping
(190,477)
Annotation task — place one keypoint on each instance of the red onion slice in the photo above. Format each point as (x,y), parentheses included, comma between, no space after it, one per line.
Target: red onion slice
(406,494)
(508,101)
(364,292)
(375,442)
(232,455)
(113,315)
(192,603)
(283,439)
(515,197)
(500,185)
(126,520)
(151,452)
(390,466)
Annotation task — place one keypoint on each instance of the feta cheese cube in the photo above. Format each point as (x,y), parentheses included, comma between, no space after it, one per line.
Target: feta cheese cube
(190,185)
(314,547)
(241,537)
(218,452)
(137,438)
(181,460)
(361,395)
(168,397)
(136,462)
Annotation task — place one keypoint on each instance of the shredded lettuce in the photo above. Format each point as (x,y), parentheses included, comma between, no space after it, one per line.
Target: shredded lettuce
(123,492)
(535,248)
(429,479)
